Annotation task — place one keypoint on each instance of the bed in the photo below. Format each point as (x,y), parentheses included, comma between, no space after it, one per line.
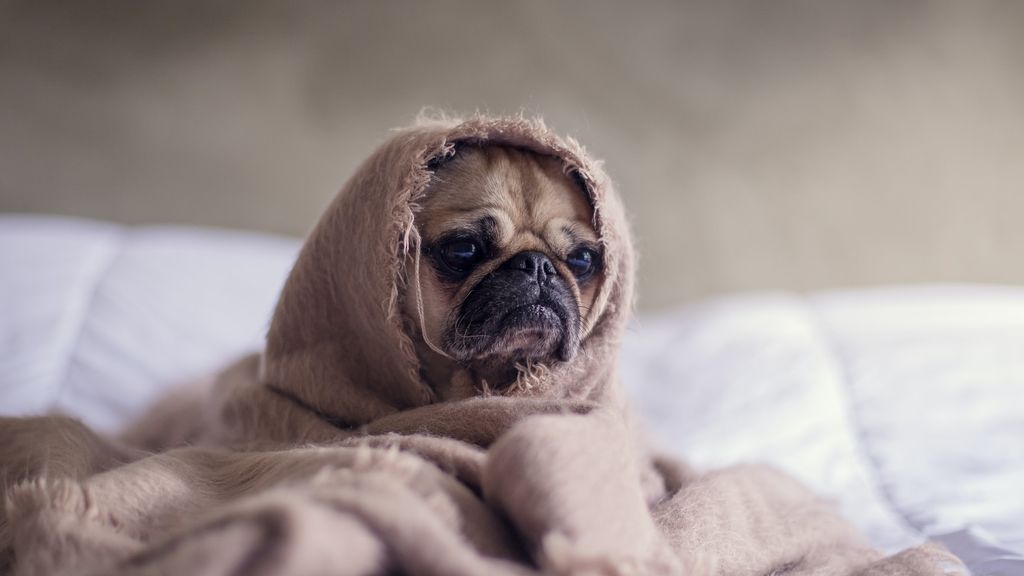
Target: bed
(904,404)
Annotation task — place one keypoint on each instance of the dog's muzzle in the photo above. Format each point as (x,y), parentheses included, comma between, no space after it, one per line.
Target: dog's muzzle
(522,310)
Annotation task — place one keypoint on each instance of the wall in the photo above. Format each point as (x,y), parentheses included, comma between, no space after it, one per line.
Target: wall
(759,145)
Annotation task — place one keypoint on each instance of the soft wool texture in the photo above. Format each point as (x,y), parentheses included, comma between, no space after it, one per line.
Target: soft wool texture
(329,455)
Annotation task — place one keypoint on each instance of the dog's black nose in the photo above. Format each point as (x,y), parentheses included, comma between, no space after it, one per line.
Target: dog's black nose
(533,263)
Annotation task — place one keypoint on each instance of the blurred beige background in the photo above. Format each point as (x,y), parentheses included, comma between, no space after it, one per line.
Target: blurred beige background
(759,145)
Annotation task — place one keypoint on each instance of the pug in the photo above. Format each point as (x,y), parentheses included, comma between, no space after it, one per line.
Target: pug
(509,264)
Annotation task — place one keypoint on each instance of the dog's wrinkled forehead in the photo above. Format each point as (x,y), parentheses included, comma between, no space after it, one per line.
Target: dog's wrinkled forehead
(521,200)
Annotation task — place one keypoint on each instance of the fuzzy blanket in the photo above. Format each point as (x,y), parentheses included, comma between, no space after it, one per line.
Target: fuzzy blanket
(328,454)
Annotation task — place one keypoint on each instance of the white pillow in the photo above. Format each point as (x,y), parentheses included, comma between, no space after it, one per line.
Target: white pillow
(99,319)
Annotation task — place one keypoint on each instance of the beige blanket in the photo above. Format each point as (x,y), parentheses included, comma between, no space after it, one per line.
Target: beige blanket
(329,455)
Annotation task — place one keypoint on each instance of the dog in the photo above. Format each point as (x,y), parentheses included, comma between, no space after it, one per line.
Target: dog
(511,262)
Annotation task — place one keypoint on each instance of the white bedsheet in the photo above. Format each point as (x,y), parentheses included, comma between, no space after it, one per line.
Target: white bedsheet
(906,405)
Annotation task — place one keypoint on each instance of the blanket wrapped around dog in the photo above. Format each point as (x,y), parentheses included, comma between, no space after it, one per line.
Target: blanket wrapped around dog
(328,454)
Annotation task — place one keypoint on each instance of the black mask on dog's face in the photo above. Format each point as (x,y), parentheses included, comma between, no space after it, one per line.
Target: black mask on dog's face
(522,310)
(513,260)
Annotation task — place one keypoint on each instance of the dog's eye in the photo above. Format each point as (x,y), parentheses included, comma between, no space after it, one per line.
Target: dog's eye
(461,255)
(582,262)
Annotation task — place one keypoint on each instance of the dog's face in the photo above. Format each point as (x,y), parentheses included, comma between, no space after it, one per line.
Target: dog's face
(510,263)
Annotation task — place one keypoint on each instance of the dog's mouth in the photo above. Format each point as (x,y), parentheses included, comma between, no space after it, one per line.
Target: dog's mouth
(513,331)
(529,331)
(532,315)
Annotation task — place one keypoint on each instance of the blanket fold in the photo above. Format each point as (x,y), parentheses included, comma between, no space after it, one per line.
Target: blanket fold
(329,453)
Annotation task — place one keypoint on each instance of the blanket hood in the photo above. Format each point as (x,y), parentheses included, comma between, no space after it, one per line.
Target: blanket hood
(339,342)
